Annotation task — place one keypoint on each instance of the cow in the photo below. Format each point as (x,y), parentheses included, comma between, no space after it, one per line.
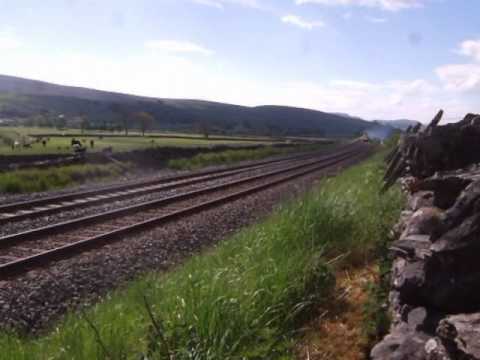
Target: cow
(74,142)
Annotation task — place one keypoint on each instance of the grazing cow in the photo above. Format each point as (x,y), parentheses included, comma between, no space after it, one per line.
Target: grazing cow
(79,149)
(75,142)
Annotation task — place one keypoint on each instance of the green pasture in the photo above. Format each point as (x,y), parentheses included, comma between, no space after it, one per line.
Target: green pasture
(59,141)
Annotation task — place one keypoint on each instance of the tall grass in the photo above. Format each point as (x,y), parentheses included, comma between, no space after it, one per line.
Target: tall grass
(33,180)
(243,299)
(234,155)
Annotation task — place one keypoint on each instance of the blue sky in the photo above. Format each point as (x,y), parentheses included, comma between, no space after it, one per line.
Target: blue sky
(371,58)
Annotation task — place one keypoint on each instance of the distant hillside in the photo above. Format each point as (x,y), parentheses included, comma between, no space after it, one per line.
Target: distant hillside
(33,87)
(401,124)
(347,115)
(28,100)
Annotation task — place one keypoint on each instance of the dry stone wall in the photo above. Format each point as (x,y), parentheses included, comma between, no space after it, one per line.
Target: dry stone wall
(435,278)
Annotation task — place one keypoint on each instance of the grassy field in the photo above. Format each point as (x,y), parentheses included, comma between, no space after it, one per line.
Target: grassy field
(29,130)
(59,141)
(234,156)
(34,180)
(246,298)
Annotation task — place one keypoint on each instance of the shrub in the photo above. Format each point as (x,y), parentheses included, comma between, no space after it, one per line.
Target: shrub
(33,180)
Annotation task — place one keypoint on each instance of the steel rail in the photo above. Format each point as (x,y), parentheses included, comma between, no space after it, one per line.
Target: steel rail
(14,239)
(68,250)
(125,194)
(23,205)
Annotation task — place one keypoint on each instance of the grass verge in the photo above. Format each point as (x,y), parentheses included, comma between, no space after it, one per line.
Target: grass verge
(376,320)
(242,300)
(33,180)
(235,155)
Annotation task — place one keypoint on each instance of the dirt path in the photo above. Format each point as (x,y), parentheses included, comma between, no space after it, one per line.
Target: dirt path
(337,332)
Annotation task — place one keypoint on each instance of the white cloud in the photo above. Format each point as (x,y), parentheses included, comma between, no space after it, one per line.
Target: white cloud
(463,77)
(173,46)
(301,23)
(347,15)
(390,5)
(220,4)
(415,99)
(470,48)
(149,73)
(8,40)
(212,3)
(460,77)
(376,20)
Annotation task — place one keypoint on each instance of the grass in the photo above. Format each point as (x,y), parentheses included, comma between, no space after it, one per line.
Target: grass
(237,155)
(59,142)
(246,298)
(376,319)
(33,180)
(32,130)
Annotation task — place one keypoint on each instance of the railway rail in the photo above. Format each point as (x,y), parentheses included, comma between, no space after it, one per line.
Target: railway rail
(54,204)
(38,247)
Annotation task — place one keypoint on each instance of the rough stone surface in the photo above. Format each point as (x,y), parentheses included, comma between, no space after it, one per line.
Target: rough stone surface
(435,277)
(421,199)
(401,345)
(424,221)
(435,350)
(464,331)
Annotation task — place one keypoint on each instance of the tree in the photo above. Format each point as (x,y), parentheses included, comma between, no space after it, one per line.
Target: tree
(144,120)
(47,118)
(204,129)
(41,120)
(122,115)
(84,123)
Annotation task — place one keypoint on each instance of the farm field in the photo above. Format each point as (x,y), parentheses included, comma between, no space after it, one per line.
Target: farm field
(59,141)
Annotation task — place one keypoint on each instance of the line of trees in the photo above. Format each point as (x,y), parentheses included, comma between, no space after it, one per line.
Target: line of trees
(123,120)
(143,119)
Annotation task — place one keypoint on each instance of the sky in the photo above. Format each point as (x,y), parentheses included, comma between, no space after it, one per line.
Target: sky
(378,59)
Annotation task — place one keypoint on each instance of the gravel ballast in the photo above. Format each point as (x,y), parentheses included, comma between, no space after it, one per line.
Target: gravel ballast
(31,302)
(14,227)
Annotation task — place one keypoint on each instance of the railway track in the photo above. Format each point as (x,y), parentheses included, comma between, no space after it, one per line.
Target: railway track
(55,204)
(37,247)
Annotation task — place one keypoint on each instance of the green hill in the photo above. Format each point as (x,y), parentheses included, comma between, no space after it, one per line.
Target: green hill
(30,101)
